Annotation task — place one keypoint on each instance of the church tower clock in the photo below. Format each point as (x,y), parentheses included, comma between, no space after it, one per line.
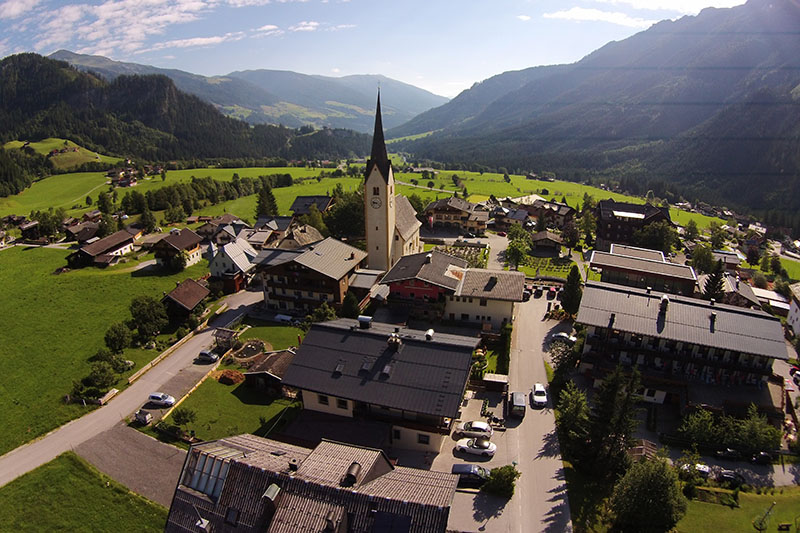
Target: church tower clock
(379,201)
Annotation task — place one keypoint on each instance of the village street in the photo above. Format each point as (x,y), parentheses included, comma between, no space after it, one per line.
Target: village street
(69,436)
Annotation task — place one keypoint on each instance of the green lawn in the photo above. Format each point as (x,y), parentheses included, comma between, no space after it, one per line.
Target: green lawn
(280,337)
(68,159)
(792,268)
(68,494)
(546,266)
(703,516)
(225,410)
(52,324)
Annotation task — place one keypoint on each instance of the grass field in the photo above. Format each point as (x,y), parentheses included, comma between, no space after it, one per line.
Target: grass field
(280,337)
(52,325)
(703,516)
(225,410)
(68,494)
(546,266)
(75,155)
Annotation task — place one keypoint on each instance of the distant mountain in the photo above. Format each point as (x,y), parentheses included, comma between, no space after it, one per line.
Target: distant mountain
(708,102)
(283,97)
(146,117)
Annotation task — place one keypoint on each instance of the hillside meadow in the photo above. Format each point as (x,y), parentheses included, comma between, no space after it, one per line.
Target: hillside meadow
(52,325)
(74,156)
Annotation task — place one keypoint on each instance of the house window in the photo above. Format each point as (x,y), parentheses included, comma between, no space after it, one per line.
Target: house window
(376,191)
(376,228)
(423,439)
(464,316)
(397,237)
(322,399)
(232,516)
(395,434)
(483,302)
(341,404)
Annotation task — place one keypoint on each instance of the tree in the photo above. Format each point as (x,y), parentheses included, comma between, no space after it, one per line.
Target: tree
(765,263)
(350,307)
(179,261)
(183,416)
(417,203)
(431,184)
(107,226)
(648,498)
(266,205)
(502,481)
(588,224)
(775,264)
(691,230)
(102,375)
(104,203)
(163,175)
(88,200)
(570,234)
(118,337)
(699,427)
(718,235)
(573,421)
(714,286)
(613,422)
(571,297)
(148,220)
(759,280)
(516,252)
(149,316)
(346,217)
(314,219)
(703,259)
(657,236)
(323,313)
(517,232)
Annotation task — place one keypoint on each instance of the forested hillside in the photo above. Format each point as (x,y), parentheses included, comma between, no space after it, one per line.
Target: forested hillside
(145,117)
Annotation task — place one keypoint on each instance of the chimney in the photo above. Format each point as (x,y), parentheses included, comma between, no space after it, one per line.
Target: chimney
(351,476)
(713,301)
(429,335)
(364,322)
(352,255)
(293,465)
(664,304)
(649,289)
(428,258)
(330,524)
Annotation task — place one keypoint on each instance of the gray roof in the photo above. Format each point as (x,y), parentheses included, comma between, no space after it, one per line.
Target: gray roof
(795,288)
(443,270)
(671,270)
(686,319)
(302,204)
(517,214)
(364,278)
(315,491)
(405,218)
(270,257)
(240,253)
(423,376)
(108,244)
(633,251)
(451,202)
(731,284)
(492,284)
(276,223)
(331,258)
(726,257)
(545,235)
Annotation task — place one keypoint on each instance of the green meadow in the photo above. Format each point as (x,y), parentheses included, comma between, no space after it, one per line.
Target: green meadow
(69,494)
(75,155)
(52,325)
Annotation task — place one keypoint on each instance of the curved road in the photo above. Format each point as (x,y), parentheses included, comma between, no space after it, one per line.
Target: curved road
(34,454)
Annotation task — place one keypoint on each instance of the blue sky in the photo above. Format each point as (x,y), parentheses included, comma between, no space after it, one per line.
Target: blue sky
(440,45)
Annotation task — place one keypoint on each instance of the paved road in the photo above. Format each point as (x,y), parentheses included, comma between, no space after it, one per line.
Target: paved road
(69,436)
(497,247)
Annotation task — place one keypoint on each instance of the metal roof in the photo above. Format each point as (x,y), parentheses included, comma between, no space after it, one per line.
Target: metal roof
(331,258)
(686,319)
(405,218)
(672,270)
(439,271)
(633,251)
(419,376)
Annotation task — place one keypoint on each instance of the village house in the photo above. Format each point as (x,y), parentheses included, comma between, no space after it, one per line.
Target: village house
(185,299)
(689,351)
(412,380)
(298,236)
(93,216)
(457,213)
(735,291)
(639,267)
(30,230)
(547,241)
(302,204)
(793,319)
(211,227)
(486,297)
(504,218)
(233,265)
(250,484)
(265,371)
(551,213)
(618,221)
(730,260)
(103,252)
(300,280)
(184,241)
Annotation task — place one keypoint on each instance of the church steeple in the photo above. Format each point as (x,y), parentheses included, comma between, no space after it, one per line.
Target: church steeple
(379,157)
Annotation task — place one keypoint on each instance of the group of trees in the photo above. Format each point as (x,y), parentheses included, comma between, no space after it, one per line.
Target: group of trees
(753,433)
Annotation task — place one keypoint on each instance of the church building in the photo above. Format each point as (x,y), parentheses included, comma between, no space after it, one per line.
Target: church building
(391,224)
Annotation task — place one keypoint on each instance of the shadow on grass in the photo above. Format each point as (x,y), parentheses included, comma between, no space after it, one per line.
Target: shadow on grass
(485,507)
(586,499)
(252,395)
(160,435)
(153,271)
(279,422)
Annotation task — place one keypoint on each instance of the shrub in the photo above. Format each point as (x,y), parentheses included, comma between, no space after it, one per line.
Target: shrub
(230,377)
(502,481)
(183,415)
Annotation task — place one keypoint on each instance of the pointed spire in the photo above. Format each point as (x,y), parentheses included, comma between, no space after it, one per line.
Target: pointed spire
(379,156)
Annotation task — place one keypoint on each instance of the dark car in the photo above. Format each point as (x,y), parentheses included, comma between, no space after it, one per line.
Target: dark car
(729,453)
(734,479)
(537,292)
(761,458)
(470,475)
(206,356)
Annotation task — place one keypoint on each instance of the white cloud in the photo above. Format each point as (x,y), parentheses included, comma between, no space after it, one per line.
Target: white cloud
(580,14)
(684,7)
(305,26)
(267,30)
(198,41)
(524,18)
(11,9)
(341,27)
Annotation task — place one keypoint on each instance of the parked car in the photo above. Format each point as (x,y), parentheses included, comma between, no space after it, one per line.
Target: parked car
(539,395)
(206,356)
(480,446)
(734,479)
(551,293)
(761,458)
(793,370)
(565,337)
(501,234)
(474,428)
(729,453)
(537,292)
(161,399)
(796,378)
(700,468)
(526,295)
(516,404)
(470,475)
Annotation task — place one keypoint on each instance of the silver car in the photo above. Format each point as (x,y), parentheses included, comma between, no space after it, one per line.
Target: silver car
(474,428)
(161,399)
(483,447)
